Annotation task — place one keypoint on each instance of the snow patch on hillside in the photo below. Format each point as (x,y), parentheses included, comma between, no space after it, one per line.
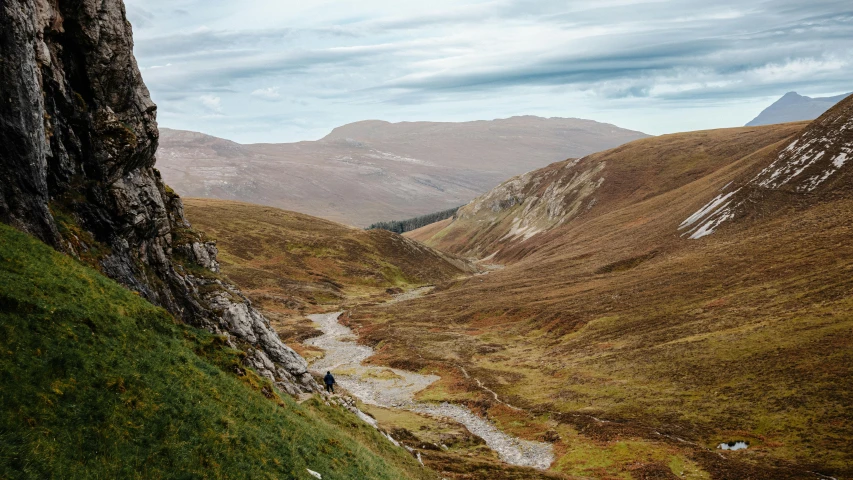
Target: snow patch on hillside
(811,183)
(708,228)
(789,166)
(820,152)
(711,207)
(517,230)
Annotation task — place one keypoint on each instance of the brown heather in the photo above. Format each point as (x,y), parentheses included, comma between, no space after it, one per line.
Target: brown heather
(292,265)
(609,333)
(642,350)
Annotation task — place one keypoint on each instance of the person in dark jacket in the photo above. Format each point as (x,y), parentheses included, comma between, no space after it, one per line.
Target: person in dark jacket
(330,382)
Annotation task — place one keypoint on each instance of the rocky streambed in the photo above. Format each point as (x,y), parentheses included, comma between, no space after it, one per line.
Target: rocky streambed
(393,388)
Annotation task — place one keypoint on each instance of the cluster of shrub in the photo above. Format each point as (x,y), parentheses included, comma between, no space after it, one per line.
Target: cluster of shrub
(403,226)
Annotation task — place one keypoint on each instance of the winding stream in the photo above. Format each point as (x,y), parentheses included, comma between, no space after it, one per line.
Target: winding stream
(389,387)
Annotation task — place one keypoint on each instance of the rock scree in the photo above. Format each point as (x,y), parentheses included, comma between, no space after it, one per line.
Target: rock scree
(394,388)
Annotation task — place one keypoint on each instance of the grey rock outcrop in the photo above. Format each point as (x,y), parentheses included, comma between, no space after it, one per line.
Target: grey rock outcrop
(78,136)
(203,254)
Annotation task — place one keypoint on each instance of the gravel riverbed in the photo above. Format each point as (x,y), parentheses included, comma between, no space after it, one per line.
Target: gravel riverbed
(394,388)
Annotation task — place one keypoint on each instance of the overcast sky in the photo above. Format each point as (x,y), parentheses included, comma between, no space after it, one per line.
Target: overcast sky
(284,70)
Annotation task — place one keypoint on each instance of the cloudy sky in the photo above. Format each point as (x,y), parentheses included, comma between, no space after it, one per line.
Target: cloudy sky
(285,70)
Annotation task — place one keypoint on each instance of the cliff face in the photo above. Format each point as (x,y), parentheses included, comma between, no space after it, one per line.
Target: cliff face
(78,136)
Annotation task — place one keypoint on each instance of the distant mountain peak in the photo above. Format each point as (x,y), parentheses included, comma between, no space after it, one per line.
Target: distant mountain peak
(793,107)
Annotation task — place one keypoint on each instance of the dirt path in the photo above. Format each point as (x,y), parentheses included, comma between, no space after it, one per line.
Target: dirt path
(387,387)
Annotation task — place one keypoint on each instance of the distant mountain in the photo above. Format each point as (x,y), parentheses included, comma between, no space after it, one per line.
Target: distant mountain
(373,170)
(793,107)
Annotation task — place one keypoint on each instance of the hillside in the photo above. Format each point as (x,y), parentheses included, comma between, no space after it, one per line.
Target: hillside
(95,382)
(644,349)
(515,218)
(811,166)
(793,107)
(292,264)
(373,171)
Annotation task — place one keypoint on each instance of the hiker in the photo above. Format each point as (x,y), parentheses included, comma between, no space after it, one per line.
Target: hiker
(330,382)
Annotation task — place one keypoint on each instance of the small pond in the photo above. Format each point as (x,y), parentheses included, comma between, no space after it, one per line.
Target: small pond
(741,445)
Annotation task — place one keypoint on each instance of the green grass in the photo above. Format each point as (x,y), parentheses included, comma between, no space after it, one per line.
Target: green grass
(97,383)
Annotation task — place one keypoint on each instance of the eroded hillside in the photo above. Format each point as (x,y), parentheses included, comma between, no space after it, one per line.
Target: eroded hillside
(638,348)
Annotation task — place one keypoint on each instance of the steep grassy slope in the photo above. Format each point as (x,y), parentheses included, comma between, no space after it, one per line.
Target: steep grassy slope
(639,348)
(292,264)
(97,383)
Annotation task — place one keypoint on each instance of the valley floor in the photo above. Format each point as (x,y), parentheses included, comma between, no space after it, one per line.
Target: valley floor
(396,389)
(643,372)
(630,365)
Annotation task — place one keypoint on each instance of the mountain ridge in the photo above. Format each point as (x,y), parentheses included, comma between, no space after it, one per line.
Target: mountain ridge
(509,222)
(370,171)
(341,132)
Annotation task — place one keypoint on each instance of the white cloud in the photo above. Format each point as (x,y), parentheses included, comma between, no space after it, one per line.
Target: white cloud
(269,93)
(212,103)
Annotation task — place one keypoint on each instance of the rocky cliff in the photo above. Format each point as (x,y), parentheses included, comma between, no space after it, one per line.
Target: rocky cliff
(78,136)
